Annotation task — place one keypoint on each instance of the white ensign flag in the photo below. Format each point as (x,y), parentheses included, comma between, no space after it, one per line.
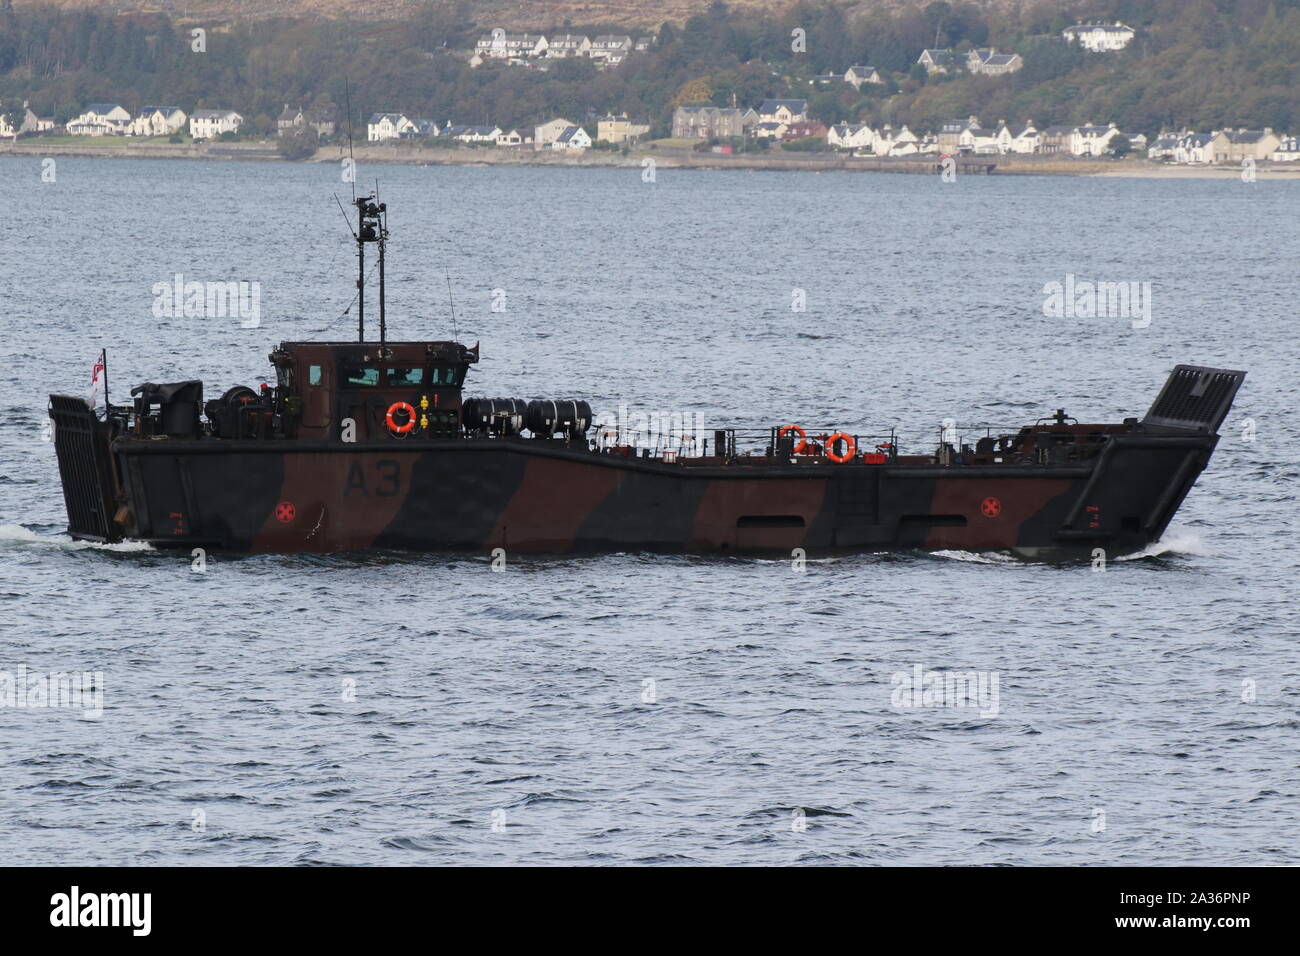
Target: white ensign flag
(97,380)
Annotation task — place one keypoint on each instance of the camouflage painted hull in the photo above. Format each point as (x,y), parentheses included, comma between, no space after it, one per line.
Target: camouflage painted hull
(520,496)
(1113,487)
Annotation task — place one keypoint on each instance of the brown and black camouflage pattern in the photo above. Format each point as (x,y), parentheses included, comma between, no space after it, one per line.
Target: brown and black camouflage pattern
(1116,487)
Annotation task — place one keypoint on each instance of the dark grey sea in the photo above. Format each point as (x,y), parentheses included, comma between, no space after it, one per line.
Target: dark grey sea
(398,709)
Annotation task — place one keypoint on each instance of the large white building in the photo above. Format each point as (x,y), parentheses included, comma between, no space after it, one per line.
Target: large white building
(382,126)
(158,121)
(850,136)
(500,45)
(209,124)
(101,119)
(1092,140)
(1099,37)
(895,142)
(612,49)
(568,44)
(572,137)
(1288,151)
(1018,138)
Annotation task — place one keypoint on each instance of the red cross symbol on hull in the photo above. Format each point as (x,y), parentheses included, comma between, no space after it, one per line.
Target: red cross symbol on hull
(285,512)
(991,507)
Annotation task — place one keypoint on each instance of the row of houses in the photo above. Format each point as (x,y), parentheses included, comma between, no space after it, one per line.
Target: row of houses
(1090,139)
(780,119)
(1232,146)
(612,49)
(985,61)
(111,119)
(558,133)
(773,119)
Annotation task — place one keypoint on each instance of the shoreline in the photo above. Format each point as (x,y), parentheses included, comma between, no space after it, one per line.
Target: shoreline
(665,157)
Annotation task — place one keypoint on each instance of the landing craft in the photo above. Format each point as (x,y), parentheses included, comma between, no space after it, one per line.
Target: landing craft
(370,444)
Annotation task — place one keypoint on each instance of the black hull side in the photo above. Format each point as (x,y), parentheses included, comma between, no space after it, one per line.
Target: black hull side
(527,496)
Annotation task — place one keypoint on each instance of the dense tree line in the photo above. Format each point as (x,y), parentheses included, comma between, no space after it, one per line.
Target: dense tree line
(1199,63)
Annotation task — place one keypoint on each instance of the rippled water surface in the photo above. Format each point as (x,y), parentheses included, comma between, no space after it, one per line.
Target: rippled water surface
(390,709)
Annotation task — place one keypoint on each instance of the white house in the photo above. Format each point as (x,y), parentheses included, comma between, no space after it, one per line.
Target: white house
(937,61)
(1288,151)
(1165,146)
(612,49)
(895,142)
(1092,140)
(993,63)
(473,134)
(209,124)
(851,136)
(568,44)
(1099,37)
(1018,138)
(500,45)
(6,128)
(769,130)
(548,133)
(977,139)
(418,129)
(1194,149)
(382,126)
(101,119)
(525,44)
(514,137)
(855,76)
(783,111)
(158,121)
(572,137)
(491,45)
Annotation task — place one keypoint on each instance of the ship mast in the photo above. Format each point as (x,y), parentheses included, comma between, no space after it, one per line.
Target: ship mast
(372,226)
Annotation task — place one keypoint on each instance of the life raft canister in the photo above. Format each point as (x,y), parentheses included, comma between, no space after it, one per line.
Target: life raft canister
(801,448)
(395,428)
(849,448)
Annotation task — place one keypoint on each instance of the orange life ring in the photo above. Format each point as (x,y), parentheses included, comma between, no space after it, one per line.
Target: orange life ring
(395,428)
(802,448)
(849,448)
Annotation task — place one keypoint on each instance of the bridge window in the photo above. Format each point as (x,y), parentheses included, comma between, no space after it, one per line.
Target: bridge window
(447,376)
(406,376)
(313,375)
(360,375)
